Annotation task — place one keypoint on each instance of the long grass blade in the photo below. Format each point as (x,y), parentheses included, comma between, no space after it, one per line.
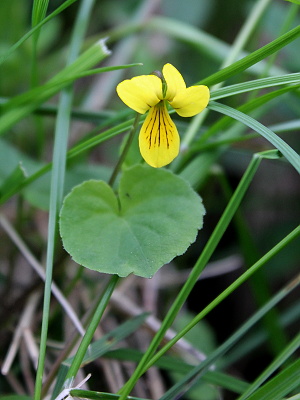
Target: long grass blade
(253,58)
(276,141)
(254,85)
(57,182)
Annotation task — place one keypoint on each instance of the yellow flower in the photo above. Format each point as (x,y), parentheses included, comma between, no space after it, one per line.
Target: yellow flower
(159,140)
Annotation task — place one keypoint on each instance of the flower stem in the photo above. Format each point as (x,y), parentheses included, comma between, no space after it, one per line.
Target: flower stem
(125,150)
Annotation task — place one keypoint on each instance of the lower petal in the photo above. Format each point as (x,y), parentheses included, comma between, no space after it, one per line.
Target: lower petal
(159,140)
(191,101)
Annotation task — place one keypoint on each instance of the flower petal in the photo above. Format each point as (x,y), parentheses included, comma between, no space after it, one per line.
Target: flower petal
(141,92)
(191,101)
(159,140)
(174,80)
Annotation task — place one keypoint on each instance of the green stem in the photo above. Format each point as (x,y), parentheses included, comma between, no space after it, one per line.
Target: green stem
(125,150)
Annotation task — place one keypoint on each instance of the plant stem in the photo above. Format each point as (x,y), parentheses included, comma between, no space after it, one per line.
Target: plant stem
(125,150)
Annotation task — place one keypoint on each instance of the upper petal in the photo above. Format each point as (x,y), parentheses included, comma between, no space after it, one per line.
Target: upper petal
(191,101)
(174,80)
(141,92)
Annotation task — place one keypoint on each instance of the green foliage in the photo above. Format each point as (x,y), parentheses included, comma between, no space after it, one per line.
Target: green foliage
(154,219)
(70,165)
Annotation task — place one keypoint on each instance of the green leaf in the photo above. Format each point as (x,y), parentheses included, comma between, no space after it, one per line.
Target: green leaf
(155,217)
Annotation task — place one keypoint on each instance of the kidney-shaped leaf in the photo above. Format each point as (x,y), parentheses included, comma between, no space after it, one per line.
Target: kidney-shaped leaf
(155,217)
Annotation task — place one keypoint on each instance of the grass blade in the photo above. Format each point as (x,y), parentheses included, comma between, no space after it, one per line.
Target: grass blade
(254,85)
(280,144)
(283,383)
(276,364)
(251,59)
(57,181)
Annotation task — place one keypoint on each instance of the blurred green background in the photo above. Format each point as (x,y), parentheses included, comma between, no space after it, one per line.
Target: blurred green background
(195,36)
